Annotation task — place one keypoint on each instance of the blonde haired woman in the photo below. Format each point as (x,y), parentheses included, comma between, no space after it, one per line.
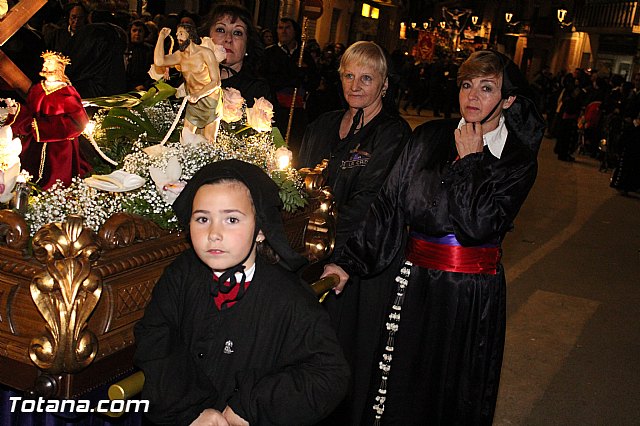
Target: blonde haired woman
(361,143)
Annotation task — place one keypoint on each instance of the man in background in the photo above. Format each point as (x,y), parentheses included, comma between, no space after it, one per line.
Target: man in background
(58,39)
(281,70)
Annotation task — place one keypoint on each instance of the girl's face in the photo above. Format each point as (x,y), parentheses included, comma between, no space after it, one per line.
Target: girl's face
(222,225)
(362,85)
(233,37)
(478,96)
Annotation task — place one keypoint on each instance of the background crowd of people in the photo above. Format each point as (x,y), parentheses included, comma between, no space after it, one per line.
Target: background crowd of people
(111,50)
(584,107)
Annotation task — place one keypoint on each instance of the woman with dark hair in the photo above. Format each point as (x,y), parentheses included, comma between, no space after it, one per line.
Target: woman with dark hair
(430,333)
(138,57)
(231,26)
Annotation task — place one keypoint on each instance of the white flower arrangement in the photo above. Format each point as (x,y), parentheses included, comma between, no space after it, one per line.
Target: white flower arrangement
(166,168)
(10,148)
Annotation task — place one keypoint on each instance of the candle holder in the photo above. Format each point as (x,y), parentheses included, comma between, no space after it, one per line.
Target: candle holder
(20,199)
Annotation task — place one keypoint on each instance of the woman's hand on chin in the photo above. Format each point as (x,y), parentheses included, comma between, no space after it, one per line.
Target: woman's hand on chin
(469,139)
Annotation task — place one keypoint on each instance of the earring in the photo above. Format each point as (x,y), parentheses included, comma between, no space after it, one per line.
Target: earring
(384,93)
(246,54)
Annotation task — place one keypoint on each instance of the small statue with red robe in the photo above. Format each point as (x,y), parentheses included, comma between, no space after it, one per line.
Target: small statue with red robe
(49,125)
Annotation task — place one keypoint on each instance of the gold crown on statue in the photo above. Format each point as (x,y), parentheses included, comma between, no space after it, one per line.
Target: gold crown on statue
(59,57)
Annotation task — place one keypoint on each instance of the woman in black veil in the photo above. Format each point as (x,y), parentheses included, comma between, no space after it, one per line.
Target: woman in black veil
(435,320)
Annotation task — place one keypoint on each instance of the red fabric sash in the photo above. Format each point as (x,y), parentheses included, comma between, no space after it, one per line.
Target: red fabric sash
(453,257)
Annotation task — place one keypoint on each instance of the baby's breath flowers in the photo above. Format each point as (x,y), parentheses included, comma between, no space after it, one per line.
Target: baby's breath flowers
(55,204)
(97,206)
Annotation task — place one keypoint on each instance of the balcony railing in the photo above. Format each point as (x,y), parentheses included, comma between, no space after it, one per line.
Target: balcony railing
(608,16)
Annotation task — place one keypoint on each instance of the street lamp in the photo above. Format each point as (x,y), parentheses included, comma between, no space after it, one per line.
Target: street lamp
(443,24)
(562,14)
(474,19)
(510,24)
(508,17)
(425,25)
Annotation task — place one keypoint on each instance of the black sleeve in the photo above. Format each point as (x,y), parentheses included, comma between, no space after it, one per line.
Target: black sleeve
(483,201)
(175,387)
(259,88)
(282,71)
(277,69)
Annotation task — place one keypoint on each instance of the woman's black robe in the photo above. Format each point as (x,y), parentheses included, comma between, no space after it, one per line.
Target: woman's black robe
(358,164)
(448,349)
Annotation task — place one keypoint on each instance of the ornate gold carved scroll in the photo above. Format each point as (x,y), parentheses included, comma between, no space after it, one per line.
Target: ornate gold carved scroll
(14,231)
(66,294)
(123,229)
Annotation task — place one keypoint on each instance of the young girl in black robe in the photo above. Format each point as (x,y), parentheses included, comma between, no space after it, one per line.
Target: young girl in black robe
(437,325)
(228,337)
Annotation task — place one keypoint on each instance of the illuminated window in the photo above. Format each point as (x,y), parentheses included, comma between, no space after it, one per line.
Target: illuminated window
(366,10)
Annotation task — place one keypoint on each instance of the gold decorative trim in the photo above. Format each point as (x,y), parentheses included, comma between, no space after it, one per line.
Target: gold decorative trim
(314,178)
(66,294)
(54,88)
(35,128)
(320,233)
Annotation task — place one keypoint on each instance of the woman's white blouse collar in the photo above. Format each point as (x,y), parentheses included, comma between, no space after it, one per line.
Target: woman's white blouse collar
(495,139)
